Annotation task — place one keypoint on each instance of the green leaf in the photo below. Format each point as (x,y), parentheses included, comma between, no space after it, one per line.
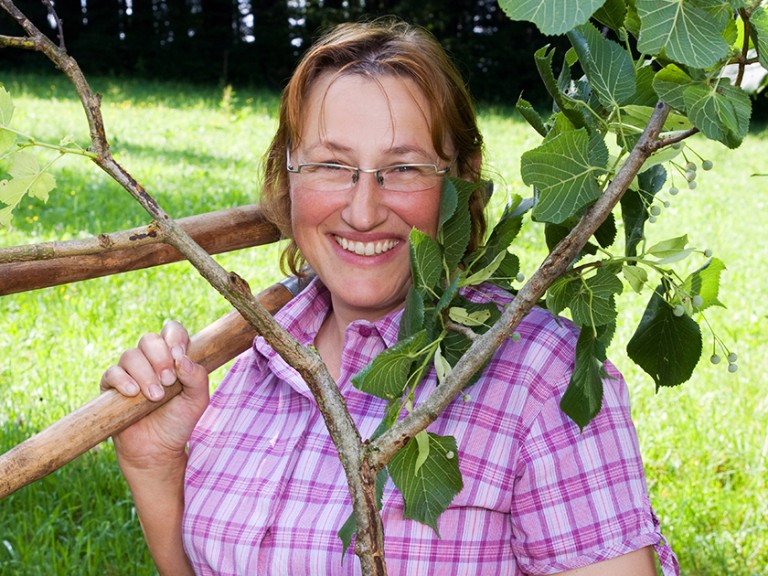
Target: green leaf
(706,283)
(387,375)
(422,443)
(592,303)
(612,14)
(429,489)
(666,346)
(670,83)
(543,60)
(633,206)
(636,276)
(552,17)
(442,366)
(6,107)
(564,170)
(528,112)
(412,320)
(759,31)
(689,32)
(7,141)
(584,396)
(455,233)
(466,318)
(668,247)
(426,260)
(449,199)
(486,273)
(721,113)
(607,65)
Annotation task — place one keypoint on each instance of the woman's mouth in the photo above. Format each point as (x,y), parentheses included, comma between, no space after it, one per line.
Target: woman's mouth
(366,248)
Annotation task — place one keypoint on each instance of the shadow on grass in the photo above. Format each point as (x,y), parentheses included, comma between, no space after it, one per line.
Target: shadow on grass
(53,526)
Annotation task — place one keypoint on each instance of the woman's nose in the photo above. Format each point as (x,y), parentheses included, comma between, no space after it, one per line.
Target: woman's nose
(364,209)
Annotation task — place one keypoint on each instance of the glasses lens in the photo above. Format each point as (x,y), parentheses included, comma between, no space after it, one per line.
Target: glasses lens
(409,177)
(327,176)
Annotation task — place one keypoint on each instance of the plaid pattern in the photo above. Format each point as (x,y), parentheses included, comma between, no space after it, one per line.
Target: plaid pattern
(266,494)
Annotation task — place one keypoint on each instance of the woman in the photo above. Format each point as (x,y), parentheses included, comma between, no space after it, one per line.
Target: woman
(372,119)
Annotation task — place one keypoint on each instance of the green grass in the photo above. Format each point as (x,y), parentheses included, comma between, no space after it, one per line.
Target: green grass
(704,443)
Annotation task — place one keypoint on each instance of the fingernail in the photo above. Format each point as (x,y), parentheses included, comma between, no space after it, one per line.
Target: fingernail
(167,377)
(177,352)
(185,364)
(155,392)
(131,389)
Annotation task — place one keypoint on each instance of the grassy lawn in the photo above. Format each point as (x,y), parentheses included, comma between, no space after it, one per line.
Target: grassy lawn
(705,444)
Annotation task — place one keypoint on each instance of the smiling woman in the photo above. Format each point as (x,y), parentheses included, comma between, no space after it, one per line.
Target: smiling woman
(261,488)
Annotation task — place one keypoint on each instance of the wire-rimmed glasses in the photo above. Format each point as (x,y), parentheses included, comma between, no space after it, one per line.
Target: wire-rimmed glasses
(332,177)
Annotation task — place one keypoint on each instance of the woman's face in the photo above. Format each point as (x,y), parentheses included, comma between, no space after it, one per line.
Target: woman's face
(356,240)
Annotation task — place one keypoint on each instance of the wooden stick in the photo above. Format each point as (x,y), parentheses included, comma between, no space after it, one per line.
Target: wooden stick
(111,412)
(215,232)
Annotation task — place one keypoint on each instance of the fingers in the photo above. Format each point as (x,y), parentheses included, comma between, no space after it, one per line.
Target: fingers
(153,364)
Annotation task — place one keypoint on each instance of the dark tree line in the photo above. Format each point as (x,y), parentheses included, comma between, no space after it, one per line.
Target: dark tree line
(257,42)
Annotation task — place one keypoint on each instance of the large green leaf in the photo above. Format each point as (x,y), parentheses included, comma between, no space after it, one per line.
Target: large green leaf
(7,141)
(567,106)
(612,14)
(607,65)
(721,112)
(666,346)
(584,396)
(592,304)
(431,487)
(688,31)
(552,17)
(387,376)
(454,234)
(564,170)
(426,260)
(759,29)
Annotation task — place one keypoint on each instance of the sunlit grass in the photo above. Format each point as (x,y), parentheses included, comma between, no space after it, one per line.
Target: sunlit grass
(704,443)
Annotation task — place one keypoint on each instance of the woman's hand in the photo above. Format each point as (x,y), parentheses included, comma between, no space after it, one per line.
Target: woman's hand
(159,438)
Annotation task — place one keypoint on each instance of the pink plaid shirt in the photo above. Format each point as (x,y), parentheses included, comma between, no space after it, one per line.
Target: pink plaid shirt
(266,494)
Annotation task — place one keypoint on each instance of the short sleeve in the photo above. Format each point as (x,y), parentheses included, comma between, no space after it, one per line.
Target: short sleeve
(580,497)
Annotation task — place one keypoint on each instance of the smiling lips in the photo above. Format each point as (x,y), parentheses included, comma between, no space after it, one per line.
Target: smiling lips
(366,248)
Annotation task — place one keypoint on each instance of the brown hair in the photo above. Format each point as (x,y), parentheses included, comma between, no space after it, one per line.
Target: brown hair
(382,47)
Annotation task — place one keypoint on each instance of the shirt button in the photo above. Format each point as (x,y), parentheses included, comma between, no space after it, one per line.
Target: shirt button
(365,331)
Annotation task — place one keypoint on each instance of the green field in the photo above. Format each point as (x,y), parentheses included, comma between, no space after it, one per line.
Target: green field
(704,444)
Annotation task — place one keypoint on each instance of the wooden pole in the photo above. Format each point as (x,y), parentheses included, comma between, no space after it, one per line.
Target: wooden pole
(111,412)
(41,266)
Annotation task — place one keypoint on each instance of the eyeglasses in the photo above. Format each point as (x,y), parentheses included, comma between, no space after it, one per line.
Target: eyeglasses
(332,177)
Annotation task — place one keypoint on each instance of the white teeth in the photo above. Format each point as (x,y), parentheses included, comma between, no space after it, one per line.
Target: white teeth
(366,248)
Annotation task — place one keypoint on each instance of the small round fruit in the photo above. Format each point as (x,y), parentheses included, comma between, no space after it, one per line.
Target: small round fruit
(707,164)
(678,310)
(732,357)
(715,359)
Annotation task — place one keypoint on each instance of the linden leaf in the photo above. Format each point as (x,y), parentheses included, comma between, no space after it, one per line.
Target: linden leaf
(666,346)
(607,65)
(564,170)
(7,141)
(425,260)
(429,489)
(552,17)
(584,396)
(687,32)
(722,113)
(387,375)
